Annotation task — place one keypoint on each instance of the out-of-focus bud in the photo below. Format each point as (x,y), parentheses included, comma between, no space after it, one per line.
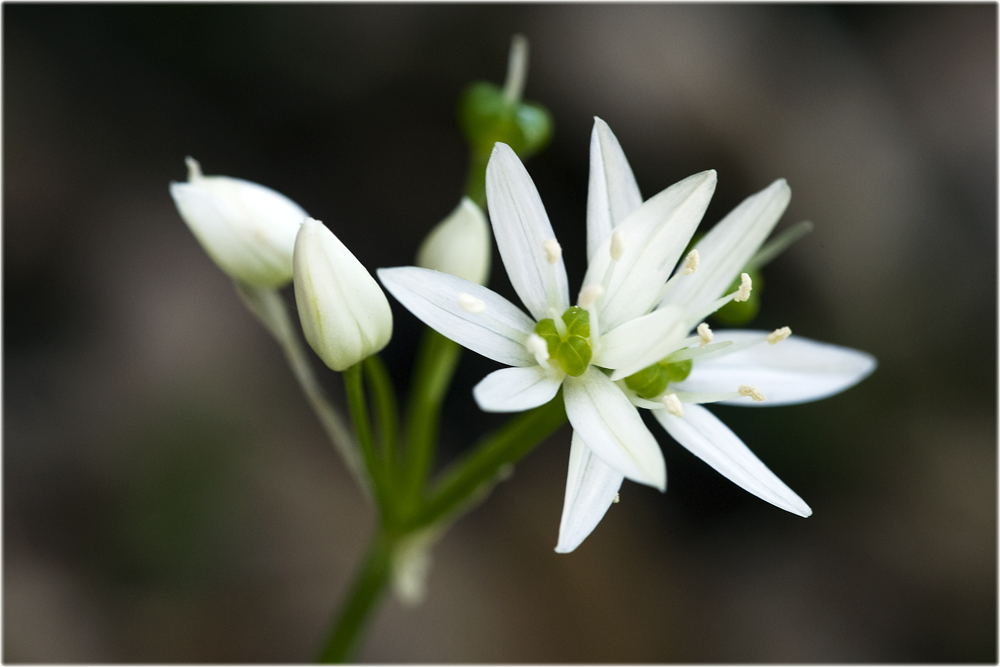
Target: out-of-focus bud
(345,316)
(459,244)
(247,229)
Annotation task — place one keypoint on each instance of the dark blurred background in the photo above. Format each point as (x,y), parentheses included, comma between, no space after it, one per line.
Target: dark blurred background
(168,496)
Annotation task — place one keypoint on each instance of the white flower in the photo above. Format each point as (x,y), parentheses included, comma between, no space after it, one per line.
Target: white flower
(247,229)
(459,244)
(728,366)
(345,315)
(559,345)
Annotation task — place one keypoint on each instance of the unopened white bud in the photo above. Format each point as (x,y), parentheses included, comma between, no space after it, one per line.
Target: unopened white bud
(589,295)
(247,229)
(471,304)
(751,391)
(617,245)
(345,315)
(746,285)
(672,404)
(691,263)
(705,334)
(779,335)
(459,245)
(553,251)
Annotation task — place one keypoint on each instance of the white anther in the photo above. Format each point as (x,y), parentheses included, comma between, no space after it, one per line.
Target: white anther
(617,499)
(779,335)
(745,286)
(194,169)
(672,404)
(691,263)
(589,295)
(617,245)
(751,391)
(553,251)
(705,334)
(471,304)
(538,347)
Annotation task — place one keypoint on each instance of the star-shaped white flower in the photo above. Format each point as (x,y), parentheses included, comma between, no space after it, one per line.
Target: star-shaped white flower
(677,372)
(559,345)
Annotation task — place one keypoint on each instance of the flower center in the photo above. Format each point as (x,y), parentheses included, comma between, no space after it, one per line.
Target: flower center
(652,380)
(569,345)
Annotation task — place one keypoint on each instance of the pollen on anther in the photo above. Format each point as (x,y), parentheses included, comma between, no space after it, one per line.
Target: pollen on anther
(471,304)
(779,335)
(617,245)
(553,251)
(617,499)
(538,347)
(705,334)
(751,391)
(691,263)
(672,404)
(746,285)
(589,295)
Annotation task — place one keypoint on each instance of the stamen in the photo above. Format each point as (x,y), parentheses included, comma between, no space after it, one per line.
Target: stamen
(743,293)
(589,295)
(694,352)
(672,404)
(708,396)
(617,245)
(471,304)
(553,251)
(517,69)
(705,334)
(536,345)
(691,264)
(617,499)
(753,392)
(194,169)
(778,335)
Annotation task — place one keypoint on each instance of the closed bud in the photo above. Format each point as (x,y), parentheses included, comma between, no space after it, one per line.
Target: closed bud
(459,244)
(247,229)
(345,316)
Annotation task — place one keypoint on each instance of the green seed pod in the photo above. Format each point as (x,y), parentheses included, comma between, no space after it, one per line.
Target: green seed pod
(652,380)
(571,351)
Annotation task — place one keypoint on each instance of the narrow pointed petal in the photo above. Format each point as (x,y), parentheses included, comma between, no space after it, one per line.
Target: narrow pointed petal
(591,487)
(728,247)
(713,442)
(641,342)
(796,370)
(613,193)
(654,236)
(613,429)
(521,228)
(516,389)
(498,333)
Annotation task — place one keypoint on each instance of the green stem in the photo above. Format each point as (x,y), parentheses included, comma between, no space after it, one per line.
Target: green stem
(476,472)
(363,598)
(354,385)
(385,406)
(434,368)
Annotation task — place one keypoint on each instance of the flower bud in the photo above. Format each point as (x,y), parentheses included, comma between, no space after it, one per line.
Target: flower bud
(247,229)
(345,316)
(459,244)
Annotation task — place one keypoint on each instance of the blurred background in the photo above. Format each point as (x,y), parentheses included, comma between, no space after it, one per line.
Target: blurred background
(168,495)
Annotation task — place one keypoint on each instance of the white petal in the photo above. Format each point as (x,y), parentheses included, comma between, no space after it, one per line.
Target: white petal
(727,248)
(498,333)
(613,429)
(796,370)
(613,193)
(521,228)
(516,389)
(591,487)
(654,236)
(641,342)
(710,440)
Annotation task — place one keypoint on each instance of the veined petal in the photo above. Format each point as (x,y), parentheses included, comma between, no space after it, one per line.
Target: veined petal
(727,248)
(521,228)
(796,370)
(709,439)
(498,333)
(591,487)
(654,236)
(641,342)
(613,429)
(516,389)
(613,193)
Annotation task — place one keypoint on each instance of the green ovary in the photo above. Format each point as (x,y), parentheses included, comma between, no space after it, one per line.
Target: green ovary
(652,380)
(572,351)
